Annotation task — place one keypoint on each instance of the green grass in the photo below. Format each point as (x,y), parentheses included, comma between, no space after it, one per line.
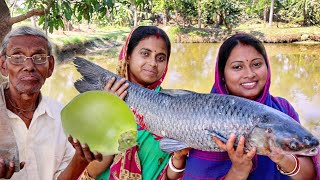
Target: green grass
(63,38)
(279,32)
(69,38)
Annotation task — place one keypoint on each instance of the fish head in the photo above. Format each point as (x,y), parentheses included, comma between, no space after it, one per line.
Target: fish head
(127,140)
(276,131)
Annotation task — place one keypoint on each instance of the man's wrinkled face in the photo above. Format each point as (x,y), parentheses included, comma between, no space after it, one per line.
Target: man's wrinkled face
(27,77)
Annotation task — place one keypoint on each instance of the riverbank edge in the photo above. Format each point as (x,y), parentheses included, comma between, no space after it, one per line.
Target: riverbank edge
(183,35)
(307,35)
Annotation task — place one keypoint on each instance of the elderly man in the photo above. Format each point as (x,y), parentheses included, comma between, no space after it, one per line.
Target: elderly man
(35,120)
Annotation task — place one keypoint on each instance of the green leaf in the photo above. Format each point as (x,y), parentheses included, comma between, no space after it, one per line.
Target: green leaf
(51,28)
(41,20)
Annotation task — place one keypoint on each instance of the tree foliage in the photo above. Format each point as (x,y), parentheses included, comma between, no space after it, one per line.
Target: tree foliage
(204,13)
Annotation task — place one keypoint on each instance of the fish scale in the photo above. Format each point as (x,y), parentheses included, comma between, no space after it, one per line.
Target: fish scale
(190,119)
(187,116)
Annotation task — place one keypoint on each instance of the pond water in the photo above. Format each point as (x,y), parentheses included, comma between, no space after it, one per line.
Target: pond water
(295,74)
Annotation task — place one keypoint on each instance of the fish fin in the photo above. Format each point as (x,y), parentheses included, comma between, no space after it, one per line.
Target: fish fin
(175,92)
(170,145)
(92,75)
(224,140)
(217,135)
(83,86)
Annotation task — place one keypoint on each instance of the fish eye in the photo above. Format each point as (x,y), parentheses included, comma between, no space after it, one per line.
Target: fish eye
(294,145)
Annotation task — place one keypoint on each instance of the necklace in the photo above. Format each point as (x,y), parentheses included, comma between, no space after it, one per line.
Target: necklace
(18,110)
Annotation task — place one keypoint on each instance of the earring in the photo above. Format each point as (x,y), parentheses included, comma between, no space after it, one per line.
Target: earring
(226,88)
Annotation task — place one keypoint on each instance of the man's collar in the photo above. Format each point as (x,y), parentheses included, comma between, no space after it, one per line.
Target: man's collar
(43,106)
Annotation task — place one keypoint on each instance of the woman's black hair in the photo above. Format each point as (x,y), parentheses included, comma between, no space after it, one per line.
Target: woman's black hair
(145,31)
(228,45)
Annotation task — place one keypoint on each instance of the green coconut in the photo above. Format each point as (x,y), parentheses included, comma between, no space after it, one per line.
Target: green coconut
(102,120)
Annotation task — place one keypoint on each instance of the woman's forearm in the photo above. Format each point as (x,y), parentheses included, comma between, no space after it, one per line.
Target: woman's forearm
(175,165)
(76,166)
(307,170)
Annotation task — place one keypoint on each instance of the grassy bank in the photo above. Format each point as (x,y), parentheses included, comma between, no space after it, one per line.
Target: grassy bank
(278,33)
(69,43)
(78,42)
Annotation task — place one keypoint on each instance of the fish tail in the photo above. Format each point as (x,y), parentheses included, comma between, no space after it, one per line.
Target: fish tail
(91,75)
(83,86)
(89,71)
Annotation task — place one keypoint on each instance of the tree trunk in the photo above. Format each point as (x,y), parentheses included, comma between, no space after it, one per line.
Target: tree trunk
(67,24)
(228,26)
(165,17)
(199,14)
(184,21)
(177,18)
(305,16)
(219,19)
(135,13)
(271,13)
(5,25)
(265,14)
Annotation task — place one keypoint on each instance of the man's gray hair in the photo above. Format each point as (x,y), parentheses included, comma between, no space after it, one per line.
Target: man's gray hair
(20,31)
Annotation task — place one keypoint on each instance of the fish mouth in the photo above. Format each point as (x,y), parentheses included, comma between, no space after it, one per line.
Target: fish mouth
(309,152)
(305,148)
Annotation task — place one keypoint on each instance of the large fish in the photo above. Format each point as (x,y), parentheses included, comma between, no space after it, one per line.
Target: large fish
(190,119)
(8,144)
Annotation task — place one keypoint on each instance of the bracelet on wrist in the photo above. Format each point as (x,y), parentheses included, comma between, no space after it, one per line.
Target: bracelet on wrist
(296,169)
(174,169)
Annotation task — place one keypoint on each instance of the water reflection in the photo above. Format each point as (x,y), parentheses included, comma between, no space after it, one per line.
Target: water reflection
(295,74)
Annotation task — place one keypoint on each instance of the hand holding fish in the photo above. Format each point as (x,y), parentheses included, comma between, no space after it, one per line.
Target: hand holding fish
(6,172)
(83,151)
(178,163)
(182,154)
(117,87)
(241,161)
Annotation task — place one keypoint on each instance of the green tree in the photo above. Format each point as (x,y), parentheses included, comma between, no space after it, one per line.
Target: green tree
(306,12)
(52,12)
(6,21)
(163,7)
(228,12)
(186,10)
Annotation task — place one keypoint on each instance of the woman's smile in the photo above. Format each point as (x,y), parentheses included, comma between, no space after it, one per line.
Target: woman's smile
(249,85)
